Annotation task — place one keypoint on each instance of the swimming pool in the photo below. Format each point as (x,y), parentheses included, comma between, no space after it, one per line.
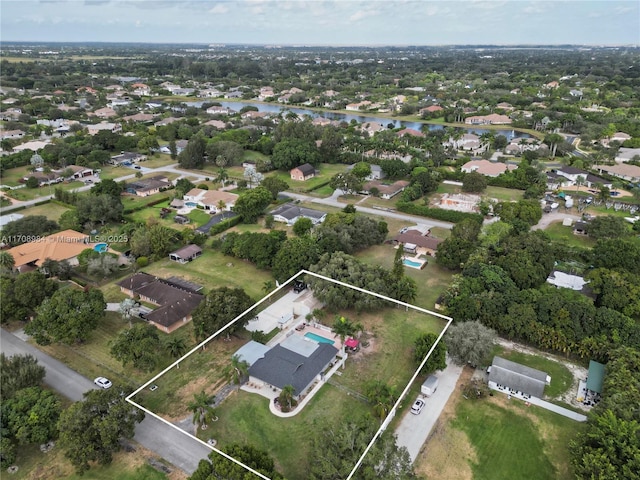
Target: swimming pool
(190,204)
(100,247)
(413,263)
(318,338)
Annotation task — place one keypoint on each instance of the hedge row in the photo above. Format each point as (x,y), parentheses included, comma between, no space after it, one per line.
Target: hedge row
(437,213)
(225,224)
(316,187)
(142,207)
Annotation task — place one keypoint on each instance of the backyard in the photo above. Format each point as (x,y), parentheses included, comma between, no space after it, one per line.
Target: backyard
(51,210)
(559,233)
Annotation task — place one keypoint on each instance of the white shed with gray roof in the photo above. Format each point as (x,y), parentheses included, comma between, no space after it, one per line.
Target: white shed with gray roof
(517,377)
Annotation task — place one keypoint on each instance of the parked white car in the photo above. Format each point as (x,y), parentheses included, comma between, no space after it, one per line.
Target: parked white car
(103,382)
(417,406)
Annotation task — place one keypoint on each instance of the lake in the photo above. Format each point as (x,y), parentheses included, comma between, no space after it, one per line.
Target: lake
(347,117)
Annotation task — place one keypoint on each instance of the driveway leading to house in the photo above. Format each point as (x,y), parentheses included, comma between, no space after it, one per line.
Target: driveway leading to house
(548,218)
(414,430)
(167,442)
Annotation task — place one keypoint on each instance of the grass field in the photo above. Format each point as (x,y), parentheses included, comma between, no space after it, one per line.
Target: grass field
(565,235)
(12,176)
(23,194)
(213,269)
(499,193)
(431,280)
(497,438)
(245,417)
(51,210)
(35,465)
(110,172)
(158,160)
(326,172)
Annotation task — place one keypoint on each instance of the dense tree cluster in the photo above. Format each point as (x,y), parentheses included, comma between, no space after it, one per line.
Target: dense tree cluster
(27,229)
(219,467)
(221,306)
(22,295)
(258,248)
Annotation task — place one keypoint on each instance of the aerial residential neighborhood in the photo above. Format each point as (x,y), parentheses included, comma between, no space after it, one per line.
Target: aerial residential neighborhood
(277,260)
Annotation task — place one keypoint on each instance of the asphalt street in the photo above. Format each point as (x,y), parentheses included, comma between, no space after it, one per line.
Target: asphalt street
(171,444)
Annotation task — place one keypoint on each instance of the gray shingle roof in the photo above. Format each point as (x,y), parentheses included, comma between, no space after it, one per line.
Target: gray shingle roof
(281,367)
(518,377)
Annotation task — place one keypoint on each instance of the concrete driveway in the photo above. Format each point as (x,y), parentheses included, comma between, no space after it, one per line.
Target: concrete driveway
(414,430)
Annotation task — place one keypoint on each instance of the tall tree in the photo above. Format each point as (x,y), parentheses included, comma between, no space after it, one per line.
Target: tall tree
(193,155)
(68,316)
(275,185)
(237,370)
(6,262)
(202,411)
(469,342)
(344,327)
(220,306)
(92,430)
(219,467)
(18,372)
(252,203)
(438,358)
(138,346)
(32,415)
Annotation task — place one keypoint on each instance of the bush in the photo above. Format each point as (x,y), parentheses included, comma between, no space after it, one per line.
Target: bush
(226,224)
(203,186)
(142,262)
(436,213)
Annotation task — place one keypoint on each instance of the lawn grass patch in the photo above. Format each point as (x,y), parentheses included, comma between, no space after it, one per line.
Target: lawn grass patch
(503,194)
(245,418)
(111,172)
(326,170)
(12,176)
(92,358)
(26,193)
(158,160)
(431,281)
(213,269)
(559,233)
(53,211)
(512,440)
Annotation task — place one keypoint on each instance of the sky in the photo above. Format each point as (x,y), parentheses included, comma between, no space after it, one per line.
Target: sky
(320,22)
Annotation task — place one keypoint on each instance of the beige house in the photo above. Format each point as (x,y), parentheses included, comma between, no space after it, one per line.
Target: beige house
(213,201)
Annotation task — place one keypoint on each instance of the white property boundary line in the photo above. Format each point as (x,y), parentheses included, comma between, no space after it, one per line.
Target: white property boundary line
(387,419)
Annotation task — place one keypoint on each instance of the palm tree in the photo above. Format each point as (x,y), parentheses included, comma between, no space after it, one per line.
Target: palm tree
(202,410)
(222,177)
(382,397)
(286,396)
(343,327)
(176,346)
(6,261)
(126,309)
(267,287)
(237,370)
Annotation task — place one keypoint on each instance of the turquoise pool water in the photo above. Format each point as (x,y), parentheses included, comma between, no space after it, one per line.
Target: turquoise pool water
(411,263)
(100,247)
(190,204)
(318,338)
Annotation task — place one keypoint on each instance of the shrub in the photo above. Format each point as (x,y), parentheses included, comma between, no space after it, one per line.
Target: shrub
(203,186)
(436,213)
(142,262)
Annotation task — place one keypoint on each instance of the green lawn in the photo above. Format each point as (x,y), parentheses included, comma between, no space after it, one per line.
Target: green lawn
(31,193)
(431,280)
(158,160)
(499,193)
(51,210)
(213,269)
(561,377)
(110,172)
(245,417)
(12,176)
(565,235)
(515,441)
(326,172)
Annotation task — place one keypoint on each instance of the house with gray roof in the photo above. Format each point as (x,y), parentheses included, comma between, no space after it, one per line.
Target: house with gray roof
(289,214)
(281,366)
(517,378)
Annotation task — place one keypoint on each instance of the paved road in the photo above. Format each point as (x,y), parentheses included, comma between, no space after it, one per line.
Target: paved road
(414,430)
(333,202)
(174,446)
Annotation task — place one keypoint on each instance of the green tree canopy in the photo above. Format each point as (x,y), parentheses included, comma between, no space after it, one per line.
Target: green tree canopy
(469,342)
(437,360)
(27,229)
(218,467)
(252,203)
(18,372)
(91,430)
(68,316)
(138,346)
(220,306)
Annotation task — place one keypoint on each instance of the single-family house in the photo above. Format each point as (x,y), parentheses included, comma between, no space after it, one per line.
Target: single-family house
(616,137)
(141,89)
(176,299)
(417,242)
(555,181)
(430,109)
(303,172)
(385,190)
(213,201)
(218,124)
(512,377)
(280,366)
(65,245)
(622,170)
(147,186)
(105,112)
(79,171)
(44,178)
(127,158)
(139,117)
(220,110)
(376,172)
(487,168)
(290,214)
(371,128)
(625,154)
(93,129)
(411,132)
(166,121)
(11,134)
(186,254)
(492,119)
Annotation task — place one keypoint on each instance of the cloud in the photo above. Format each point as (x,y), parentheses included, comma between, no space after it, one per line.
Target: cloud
(360,14)
(219,9)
